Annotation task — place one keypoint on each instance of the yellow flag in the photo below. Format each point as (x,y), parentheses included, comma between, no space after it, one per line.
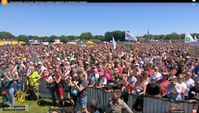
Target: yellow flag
(4,2)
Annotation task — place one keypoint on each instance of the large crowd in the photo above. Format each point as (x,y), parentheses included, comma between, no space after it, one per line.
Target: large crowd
(159,69)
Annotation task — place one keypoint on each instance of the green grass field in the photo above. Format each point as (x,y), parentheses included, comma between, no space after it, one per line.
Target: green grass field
(33,107)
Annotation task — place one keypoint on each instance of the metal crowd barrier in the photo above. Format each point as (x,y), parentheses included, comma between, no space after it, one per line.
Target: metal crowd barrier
(162,105)
(103,97)
(151,104)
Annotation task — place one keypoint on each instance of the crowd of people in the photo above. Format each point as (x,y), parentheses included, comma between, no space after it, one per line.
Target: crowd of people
(159,69)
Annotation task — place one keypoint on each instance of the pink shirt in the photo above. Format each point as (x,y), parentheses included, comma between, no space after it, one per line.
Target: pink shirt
(108,76)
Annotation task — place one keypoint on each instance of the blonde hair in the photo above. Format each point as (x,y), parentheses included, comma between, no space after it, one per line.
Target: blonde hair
(84,75)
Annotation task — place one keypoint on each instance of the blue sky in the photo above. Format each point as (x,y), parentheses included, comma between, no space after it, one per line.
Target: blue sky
(46,19)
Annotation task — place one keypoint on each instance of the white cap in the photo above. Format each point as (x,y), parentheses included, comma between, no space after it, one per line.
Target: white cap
(39,62)
(137,64)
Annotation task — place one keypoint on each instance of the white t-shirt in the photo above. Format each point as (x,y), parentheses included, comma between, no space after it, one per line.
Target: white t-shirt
(182,86)
(42,68)
(157,77)
(177,89)
(132,80)
(190,83)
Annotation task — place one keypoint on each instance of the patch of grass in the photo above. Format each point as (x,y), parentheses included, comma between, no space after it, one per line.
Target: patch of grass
(33,107)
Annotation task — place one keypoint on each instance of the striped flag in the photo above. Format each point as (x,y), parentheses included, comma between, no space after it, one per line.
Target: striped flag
(129,36)
(188,38)
(148,32)
(114,43)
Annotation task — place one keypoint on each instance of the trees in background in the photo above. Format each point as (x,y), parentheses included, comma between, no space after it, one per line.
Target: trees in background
(118,35)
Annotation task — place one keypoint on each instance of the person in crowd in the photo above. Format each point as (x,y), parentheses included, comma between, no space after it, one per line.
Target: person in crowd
(194,91)
(164,82)
(82,90)
(9,86)
(73,91)
(131,81)
(93,77)
(93,106)
(188,80)
(57,77)
(50,84)
(21,73)
(153,88)
(116,105)
(137,70)
(182,87)
(139,90)
(15,74)
(196,72)
(156,74)
(102,82)
(174,89)
(34,78)
(140,86)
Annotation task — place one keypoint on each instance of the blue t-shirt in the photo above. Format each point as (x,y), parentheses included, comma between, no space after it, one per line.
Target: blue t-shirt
(83,93)
(196,70)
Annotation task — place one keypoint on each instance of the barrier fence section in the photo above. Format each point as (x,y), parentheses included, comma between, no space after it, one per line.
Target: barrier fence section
(150,105)
(161,105)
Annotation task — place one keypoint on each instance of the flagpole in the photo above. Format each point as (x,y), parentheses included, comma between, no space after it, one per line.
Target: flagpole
(148,34)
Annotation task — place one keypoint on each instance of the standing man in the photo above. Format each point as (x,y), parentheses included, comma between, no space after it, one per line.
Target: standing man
(34,83)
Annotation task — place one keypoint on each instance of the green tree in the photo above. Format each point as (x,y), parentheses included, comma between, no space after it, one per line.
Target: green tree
(86,36)
(98,37)
(108,36)
(23,38)
(6,35)
(63,38)
(118,35)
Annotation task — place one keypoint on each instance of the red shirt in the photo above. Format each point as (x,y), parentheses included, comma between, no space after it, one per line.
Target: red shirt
(164,85)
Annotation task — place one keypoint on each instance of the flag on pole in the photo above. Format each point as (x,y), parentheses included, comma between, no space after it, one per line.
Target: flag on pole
(148,32)
(188,38)
(129,36)
(114,43)
(195,38)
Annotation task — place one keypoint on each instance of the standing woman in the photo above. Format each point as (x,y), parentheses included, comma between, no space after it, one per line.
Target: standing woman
(57,77)
(51,84)
(15,75)
(82,91)
(10,86)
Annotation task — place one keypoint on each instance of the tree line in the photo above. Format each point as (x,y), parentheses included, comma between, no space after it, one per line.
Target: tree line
(118,35)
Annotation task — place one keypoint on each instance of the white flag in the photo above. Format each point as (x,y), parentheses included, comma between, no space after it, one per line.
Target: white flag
(188,38)
(195,38)
(129,36)
(114,43)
